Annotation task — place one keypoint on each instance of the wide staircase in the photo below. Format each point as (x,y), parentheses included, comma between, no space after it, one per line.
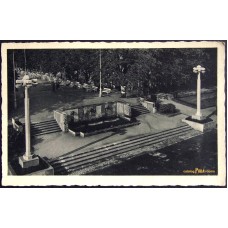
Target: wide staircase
(138,109)
(45,127)
(76,161)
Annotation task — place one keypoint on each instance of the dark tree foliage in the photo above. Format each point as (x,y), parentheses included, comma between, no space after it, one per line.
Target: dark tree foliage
(146,70)
(10,79)
(16,142)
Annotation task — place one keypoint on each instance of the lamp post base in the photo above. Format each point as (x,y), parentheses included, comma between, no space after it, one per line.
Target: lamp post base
(43,169)
(197,117)
(26,162)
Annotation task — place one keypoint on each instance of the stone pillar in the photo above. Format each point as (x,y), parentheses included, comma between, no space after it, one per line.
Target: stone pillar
(198,112)
(28,159)
(27,154)
(198,70)
(65,121)
(198,115)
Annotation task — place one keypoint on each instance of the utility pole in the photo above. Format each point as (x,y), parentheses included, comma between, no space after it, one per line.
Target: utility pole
(14,84)
(100,92)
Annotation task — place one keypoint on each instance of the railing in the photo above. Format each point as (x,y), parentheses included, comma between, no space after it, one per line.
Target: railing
(149,105)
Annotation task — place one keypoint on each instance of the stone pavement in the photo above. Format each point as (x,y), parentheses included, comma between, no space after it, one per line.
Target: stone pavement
(44,101)
(56,144)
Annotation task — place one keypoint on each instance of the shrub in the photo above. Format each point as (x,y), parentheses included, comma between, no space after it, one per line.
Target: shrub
(16,142)
(172,108)
(157,104)
(167,108)
(151,98)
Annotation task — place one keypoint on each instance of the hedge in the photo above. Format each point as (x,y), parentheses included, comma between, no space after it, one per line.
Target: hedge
(167,108)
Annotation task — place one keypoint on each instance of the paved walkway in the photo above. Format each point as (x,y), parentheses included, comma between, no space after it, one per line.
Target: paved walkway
(56,144)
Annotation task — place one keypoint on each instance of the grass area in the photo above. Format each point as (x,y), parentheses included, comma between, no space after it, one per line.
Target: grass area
(207,100)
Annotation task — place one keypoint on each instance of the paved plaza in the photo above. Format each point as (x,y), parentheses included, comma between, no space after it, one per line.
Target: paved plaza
(43,101)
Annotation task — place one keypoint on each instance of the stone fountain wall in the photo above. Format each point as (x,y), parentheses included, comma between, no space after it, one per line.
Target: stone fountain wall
(91,112)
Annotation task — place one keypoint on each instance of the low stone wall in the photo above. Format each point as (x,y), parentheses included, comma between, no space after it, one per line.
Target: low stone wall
(149,105)
(91,112)
(123,109)
(200,126)
(62,120)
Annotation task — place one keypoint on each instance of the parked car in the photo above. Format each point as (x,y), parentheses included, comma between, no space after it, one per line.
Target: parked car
(106,91)
(94,88)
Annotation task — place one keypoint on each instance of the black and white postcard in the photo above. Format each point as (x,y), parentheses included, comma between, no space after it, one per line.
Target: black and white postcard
(113,113)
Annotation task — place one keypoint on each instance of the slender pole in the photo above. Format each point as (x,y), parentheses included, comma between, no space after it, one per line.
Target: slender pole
(100,92)
(25,61)
(14,84)
(198,113)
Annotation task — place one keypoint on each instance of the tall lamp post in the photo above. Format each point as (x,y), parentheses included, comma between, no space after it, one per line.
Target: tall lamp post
(198,70)
(28,159)
(100,91)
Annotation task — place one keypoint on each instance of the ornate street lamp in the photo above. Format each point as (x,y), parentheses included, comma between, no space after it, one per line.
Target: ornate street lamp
(198,70)
(28,159)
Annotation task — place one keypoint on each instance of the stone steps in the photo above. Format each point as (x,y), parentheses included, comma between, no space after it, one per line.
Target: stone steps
(77,160)
(45,127)
(138,109)
(44,122)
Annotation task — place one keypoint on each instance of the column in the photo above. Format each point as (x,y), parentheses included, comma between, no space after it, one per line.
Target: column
(28,154)
(198,113)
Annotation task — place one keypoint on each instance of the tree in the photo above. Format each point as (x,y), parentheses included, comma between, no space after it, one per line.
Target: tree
(145,70)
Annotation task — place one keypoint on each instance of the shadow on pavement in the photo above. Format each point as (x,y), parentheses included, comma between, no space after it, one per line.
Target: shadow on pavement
(211,114)
(36,140)
(89,144)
